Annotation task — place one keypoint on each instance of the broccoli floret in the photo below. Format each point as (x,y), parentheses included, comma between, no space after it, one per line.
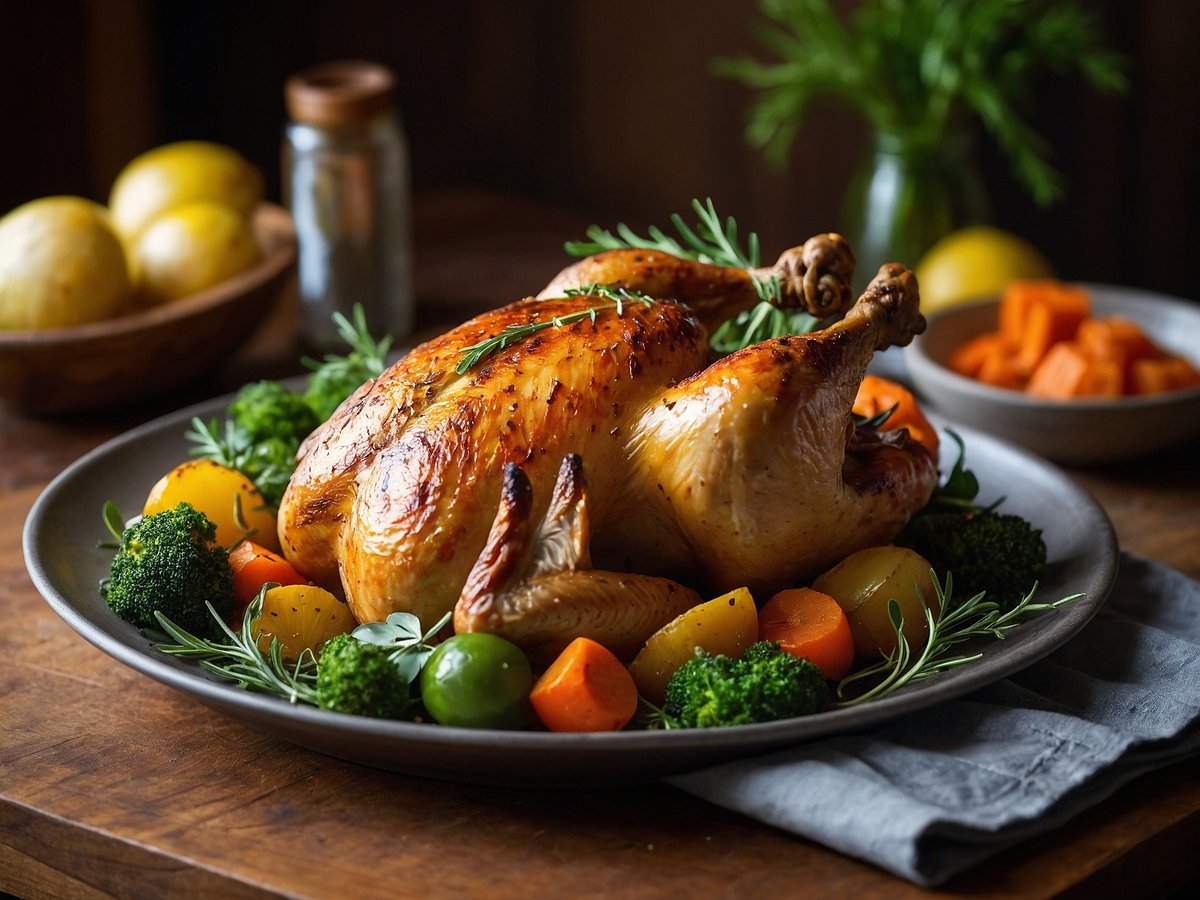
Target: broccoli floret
(1000,553)
(169,561)
(360,678)
(337,377)
(764,685)
(275,422)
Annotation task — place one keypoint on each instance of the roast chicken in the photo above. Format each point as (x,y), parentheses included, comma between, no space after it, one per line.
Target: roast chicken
(600,475)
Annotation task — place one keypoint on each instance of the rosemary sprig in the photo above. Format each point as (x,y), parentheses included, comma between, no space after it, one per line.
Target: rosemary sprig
(710,241)
(762,322)
(238,658)
(515,332)
(713,241)
(976,617)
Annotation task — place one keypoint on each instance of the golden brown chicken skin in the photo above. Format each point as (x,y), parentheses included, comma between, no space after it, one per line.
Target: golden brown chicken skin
(748,471)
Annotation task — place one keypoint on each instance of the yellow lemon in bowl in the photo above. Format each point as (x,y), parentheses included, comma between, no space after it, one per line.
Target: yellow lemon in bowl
(61,264)
(975,262)
(189,248)
(180,173)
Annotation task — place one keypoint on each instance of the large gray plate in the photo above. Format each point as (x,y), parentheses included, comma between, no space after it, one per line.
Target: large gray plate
(60,550)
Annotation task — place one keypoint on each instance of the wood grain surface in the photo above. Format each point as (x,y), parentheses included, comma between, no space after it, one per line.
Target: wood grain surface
(114,785)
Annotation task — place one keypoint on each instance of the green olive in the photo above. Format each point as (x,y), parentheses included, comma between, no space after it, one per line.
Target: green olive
(476,680)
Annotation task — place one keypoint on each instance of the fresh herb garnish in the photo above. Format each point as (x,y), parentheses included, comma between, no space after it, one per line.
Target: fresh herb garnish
(514,332)
(236,656)
(961,487)
(762,322)
(334,377)
(976,617)
(267,422)
(401,634)
(918,68)
(716,242)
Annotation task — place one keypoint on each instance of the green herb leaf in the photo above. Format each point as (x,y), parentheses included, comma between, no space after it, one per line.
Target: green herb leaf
(236,657)
(513,333)
(762,322)
(917,68)
(973,619)
(715,242)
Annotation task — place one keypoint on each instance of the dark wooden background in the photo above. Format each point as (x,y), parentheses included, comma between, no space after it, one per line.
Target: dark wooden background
(605,107)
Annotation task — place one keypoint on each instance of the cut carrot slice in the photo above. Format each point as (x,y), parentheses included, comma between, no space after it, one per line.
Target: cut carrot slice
(970,358)
(253,566)
(585,689)
(811,625)
(875,395)
(1063,374)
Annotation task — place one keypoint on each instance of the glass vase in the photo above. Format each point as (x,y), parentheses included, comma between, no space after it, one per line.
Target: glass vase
(908,193)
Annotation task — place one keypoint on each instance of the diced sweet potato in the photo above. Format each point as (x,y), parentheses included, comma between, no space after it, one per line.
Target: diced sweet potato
(1048,344)
(1046,315)
(1000,369)
(1062,374)
(970,357)
(1156,376)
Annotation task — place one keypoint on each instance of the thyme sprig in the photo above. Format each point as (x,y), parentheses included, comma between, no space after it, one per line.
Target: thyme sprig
(974,618)
(515,332)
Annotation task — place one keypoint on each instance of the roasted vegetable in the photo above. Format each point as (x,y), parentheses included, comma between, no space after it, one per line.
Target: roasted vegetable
(169,562)
(765,684)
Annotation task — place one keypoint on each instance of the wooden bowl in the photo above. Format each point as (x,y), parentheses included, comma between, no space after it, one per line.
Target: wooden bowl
(148,354)
(1084,431)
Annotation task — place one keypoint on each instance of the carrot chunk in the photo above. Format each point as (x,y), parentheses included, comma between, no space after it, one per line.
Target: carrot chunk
(1048,344)
(875,395)
(1052,316)
(1063,374)
(811,625)
(1000,368)
(254,565)
(1156,376)
(971,357)
(585,689)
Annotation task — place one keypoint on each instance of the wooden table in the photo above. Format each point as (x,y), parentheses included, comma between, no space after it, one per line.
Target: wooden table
(111,784)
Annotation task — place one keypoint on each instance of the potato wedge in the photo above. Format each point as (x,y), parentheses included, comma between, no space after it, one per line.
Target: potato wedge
(727,624)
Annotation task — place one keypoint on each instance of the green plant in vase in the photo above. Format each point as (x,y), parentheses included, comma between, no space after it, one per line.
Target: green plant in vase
(925,75)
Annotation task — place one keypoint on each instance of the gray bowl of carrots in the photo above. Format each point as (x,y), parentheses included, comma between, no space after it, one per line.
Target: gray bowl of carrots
(1078,373)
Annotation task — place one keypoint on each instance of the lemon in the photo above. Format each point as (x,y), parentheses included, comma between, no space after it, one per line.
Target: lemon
(192,247)
(184,172)
(61,263)
(976,262)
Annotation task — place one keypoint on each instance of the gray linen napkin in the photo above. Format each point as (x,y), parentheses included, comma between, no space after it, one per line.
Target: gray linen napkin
(937,792)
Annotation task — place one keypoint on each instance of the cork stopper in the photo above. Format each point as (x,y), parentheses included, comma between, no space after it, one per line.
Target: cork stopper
(340,93)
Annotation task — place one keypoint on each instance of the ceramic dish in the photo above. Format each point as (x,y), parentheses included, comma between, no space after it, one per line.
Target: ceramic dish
(1076,431)
(119,362)
(60,550)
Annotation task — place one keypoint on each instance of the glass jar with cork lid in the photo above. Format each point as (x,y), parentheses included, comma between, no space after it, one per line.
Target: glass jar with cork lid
(346,181)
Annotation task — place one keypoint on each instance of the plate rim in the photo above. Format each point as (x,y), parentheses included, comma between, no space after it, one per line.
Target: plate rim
(628,755)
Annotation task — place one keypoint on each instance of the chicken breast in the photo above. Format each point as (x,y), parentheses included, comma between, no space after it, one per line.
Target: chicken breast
(749,471)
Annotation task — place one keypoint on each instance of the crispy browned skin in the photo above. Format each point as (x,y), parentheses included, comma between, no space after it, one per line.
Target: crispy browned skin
(815,276)
(537,587)
(748,471)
